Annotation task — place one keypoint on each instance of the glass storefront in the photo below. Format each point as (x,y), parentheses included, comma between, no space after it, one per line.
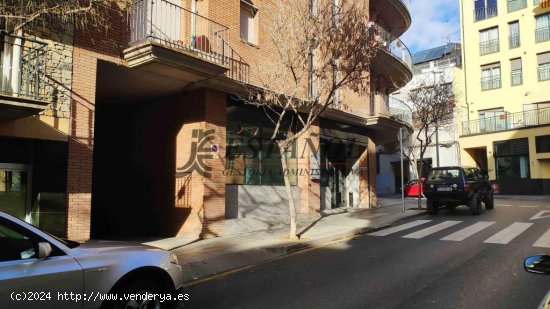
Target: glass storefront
(33,182)
(512,159)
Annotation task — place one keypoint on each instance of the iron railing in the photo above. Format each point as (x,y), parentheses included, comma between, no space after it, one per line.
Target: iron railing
(514,5)
(394,46)
(489,47)
(23,67)
(542,34)
(406,4)
(435,65)
(514,40)
(490,83)
(507,121)
(485,12)
(517,77)
(175,27)
(544,72)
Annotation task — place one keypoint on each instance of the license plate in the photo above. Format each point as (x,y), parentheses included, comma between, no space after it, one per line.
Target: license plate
(444,189)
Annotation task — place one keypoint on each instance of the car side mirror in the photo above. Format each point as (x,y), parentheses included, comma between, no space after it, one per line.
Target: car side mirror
(538,264)
(44,250)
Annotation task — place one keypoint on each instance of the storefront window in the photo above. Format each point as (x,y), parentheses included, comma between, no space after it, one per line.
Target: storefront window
(253,159)
(512,159)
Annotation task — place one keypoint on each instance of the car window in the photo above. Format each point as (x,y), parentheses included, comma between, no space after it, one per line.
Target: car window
(444,174)
(470,174)
(14,244)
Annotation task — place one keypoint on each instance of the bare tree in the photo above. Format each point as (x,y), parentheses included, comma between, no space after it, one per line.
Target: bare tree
(317,49)
(433,102)
(17,15)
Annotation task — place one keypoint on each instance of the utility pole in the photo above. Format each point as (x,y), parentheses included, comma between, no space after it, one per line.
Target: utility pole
(437,143)
(402,171)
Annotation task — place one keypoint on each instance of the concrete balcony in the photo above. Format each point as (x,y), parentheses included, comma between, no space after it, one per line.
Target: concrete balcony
(171,43)
(22,77)
(393,61)
(393,12)
(386,116)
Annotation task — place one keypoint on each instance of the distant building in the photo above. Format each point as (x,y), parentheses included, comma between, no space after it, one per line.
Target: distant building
(442,63)
(505,126)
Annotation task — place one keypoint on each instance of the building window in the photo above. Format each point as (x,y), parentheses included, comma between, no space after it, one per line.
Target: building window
(249,22)
(543,66)
(514,39)
(542,143)
(514,5)
(542,28)
(490,76)
(512,158)
(485,9)
(516,72)
(488,41)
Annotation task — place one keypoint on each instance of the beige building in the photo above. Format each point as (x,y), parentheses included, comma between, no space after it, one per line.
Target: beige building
(505,124)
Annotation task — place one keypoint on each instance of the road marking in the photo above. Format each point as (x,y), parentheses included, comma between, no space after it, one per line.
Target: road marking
(529,206)
(469,231)
(399,228)
(503,205)
(506,235)
(543,241)
(433,229)
(541,214)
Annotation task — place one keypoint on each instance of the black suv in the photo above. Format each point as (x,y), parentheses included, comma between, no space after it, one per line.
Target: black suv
(453,186)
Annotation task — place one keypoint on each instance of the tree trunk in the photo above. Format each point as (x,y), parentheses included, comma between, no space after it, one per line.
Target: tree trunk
(419,182)
(291,206)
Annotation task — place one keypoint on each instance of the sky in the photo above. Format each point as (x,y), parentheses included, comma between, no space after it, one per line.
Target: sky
(434,23)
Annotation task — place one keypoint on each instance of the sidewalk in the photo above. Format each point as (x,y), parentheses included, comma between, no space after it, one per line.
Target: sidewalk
(204,258)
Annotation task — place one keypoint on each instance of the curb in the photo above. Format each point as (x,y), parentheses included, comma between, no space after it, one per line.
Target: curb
(324,240)
(297,248)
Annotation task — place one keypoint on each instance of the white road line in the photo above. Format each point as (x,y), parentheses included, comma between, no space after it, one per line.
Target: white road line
(506,235)
(469,231)
(399,228)
(543,241)
(504,205)
(433,229)
(529,206)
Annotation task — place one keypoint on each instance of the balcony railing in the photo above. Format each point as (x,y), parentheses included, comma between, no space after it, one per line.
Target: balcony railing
(485,12)
(400,110)
(542,34)
(490,83)
(23,67)
(175,27)
(544,72)
(394,46)
(514,41)
(517,77)
(507,121)
(436,65)
(384,105)
(489,47)
(514,5)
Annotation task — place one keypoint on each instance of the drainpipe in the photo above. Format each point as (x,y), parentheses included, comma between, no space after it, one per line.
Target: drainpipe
(193,17)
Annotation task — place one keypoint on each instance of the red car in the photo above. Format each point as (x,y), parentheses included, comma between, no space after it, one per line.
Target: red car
(411,188)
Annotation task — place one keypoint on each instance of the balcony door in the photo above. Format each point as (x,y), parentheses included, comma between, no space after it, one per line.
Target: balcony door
(10,62)
(160,19)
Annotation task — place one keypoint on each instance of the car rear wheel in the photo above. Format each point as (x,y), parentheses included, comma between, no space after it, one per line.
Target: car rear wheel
(139,289)
(475,205)
(433,207)
(489,200)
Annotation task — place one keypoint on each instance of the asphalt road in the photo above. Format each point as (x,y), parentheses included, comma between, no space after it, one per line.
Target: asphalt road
(477,266)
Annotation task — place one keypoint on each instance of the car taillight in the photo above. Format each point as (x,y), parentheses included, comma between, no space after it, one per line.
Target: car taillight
(466,187)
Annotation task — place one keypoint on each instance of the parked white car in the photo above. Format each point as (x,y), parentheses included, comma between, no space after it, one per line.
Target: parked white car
(38,270)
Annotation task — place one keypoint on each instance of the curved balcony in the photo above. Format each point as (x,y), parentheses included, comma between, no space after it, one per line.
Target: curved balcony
(386,116)
(393,61)
(392,12)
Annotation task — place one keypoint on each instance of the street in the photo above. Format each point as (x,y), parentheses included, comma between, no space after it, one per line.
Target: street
(453,260)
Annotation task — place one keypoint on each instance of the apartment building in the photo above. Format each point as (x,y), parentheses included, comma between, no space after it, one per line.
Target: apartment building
(506,122)
(438,65)
(135,130)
